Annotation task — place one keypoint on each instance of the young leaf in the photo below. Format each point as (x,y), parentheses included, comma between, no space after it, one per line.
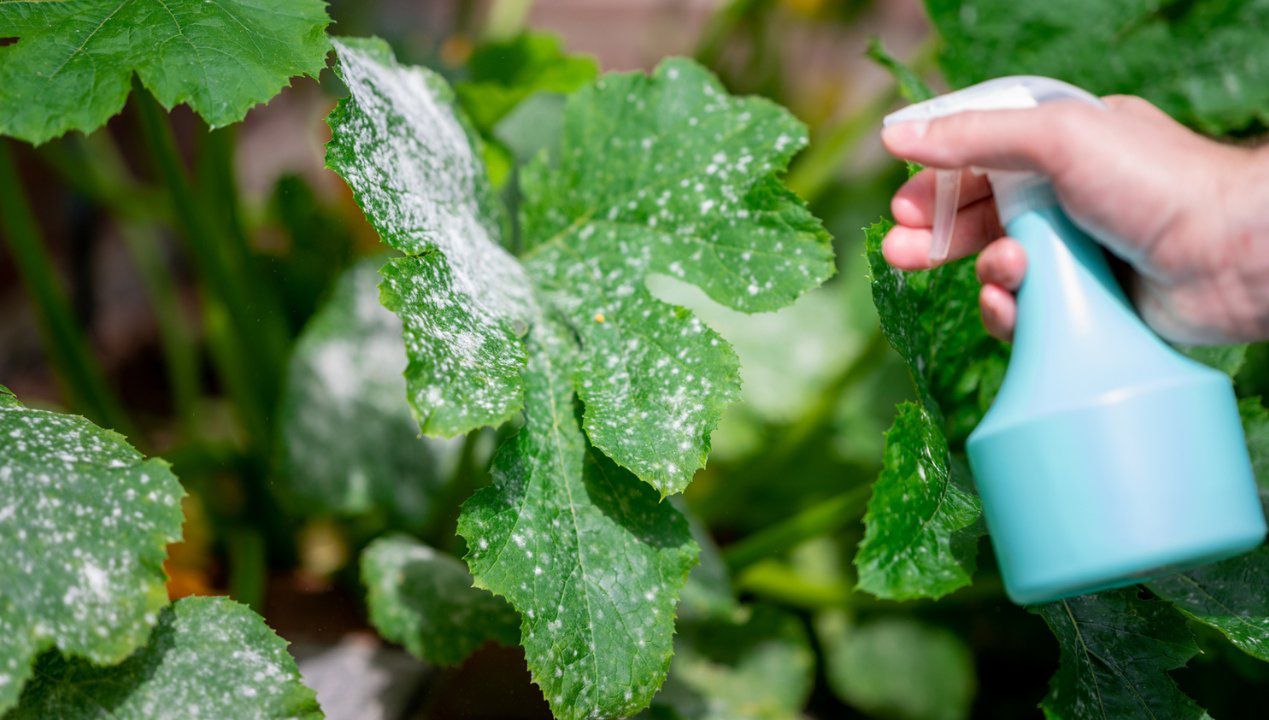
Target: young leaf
(911,86)
(349,443)
(665,174)
(921,526)
(758,669)
(72,65)
(84,525)
(503,73)
(897,667)
(207,658)
(1116,650)
(412,166)
(424,600)
(1203,61)
(585,552)
(1229,596)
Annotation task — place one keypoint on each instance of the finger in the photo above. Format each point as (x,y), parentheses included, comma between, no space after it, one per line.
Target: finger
(999,310)
(1003,262)
(1136,107)
(908,248)
(1039,139)
(913,204)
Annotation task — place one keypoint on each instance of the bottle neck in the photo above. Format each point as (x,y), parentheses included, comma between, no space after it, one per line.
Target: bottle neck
(1018,192)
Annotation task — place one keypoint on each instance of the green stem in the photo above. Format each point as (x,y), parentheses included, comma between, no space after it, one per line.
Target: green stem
(178,345)
(65,342)
(823,518)
(93,167)
(241,345)
(506,18)
(797,437)
(248,571)
(817,167)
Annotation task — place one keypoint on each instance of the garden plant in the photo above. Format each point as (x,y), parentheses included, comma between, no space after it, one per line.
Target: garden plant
(492,378)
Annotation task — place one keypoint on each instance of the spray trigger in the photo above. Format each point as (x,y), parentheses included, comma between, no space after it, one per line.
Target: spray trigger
(947,192)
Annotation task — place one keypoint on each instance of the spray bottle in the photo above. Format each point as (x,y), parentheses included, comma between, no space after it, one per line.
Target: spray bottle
(1107,458)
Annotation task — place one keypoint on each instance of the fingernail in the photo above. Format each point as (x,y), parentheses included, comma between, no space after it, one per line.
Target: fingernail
(905,134)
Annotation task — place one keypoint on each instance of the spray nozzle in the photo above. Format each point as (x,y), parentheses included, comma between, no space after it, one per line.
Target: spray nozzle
(1006,93)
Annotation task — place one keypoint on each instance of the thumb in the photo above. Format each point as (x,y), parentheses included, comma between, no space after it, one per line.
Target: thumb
(1039,139)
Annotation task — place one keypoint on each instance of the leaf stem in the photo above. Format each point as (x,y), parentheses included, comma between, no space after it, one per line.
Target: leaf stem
(248,570)
(93,167)
(64,340)
(239,347)
(822,518)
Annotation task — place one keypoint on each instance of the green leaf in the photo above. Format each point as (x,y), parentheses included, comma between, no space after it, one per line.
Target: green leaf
(585,552)
(349,444)
(597,596)
(503,73)
(72,66)
(85,522)
(1226,358)
(922,526)
(665,174)
(1204,61)
(1116,650)
(667,164)
(207,658)
(897,667)
(931,318)
(414,169)
(761,668)
(1256,426)
(911,86)
(424,600)
(1229,596)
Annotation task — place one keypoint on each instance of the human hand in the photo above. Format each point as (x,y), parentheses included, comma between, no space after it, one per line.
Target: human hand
(1189,215)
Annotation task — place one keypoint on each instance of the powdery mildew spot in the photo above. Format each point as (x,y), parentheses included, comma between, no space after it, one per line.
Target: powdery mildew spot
(84,524)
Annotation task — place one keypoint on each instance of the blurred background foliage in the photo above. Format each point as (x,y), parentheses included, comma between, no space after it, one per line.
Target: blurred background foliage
(297,446)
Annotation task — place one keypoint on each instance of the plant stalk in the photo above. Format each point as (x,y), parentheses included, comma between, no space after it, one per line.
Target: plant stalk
(817,167)
(822,518)
(240,346)
(93,167)
(68,348)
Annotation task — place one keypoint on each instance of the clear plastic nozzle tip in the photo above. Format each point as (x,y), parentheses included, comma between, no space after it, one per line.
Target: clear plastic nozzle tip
(1007,93)
(947,196)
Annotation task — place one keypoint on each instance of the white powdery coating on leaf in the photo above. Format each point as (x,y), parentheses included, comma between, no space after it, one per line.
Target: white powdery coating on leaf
(585,552)
(398,143)
(208,659)
(84,525)
(350,443)
(704,208)
(417,157)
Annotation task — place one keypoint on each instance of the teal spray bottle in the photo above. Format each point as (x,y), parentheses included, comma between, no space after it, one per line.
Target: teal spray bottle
(1107,457)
